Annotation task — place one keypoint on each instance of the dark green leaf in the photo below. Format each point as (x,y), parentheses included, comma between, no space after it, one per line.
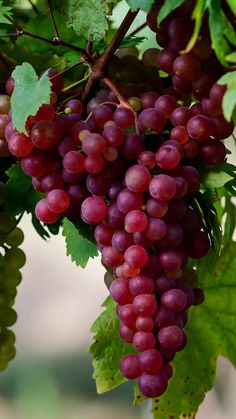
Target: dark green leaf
(140,4)
(78,247)
(203,204)
(167,8)
(217,28)
(107,349)
(211,332)
(29,94)
(229,99)
(18,190)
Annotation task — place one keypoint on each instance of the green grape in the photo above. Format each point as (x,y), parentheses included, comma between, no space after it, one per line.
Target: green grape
(12,278)
(2,260)
(122,52)
(8,316)
(7,352)
(3,365)
(135,103)
(15,237)
(7,223)
(15,258)
(7,336)
(5,300)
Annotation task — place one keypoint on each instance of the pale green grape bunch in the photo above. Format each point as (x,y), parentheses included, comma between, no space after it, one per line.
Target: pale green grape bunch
(12,259)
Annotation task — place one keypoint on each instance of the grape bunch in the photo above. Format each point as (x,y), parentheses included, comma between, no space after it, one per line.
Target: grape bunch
(130,169)
(12,259)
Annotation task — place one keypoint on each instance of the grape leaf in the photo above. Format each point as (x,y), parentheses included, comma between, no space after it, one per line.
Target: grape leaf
(140,4)
(29,94)
(19,191)
(217,24)
(107,349)
(211,332)
(5,10)
(197,15)
(89,19)
(167,8)
(215,179)
(231,57)
(229,99)
(232,5)
(78,247)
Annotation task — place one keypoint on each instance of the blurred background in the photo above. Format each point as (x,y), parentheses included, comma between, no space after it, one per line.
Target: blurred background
(51,377)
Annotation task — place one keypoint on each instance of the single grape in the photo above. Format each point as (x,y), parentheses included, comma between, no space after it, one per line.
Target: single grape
(162,187)
(164,317)
(135,221)
(121,240)
(165,105)
(58,200)
(129,366)
(156,229)
(187,67)
(170,337)
(200,128)
(103,234)
(143,341)
(73,162)
(44,214)
(45,135)
(152,385)
(111,257)
(123,117)
(120,292)
(136,256)
(94,209)
(174,299)
(137,178)
(144,304)
(151,120)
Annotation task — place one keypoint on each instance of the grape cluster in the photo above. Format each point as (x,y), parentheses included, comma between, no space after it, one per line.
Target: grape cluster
(130,170)
(12,259)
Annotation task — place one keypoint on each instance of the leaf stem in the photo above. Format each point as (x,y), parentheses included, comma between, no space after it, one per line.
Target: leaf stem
(139,28)
(102,62)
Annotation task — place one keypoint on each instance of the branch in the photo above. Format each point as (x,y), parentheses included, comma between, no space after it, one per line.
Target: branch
(56,32)
(122,100)
(33,6)
(139,28)
(101,63)
(55,42)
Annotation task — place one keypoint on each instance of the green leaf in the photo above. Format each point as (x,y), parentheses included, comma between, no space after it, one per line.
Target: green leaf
(107,349)
(140,4)
(232,5)
(29,94)
(197,15)
(231,57)
(215,179)
(204,205)
(78,247)
(167,8)
(211,333)
(217,22)
(5,10)
(89,19)
(132,41)
(19,191)
(229,99)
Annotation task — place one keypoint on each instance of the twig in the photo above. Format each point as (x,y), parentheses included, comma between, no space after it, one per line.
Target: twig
(113,88)
(139,28)
(56,32)
(34,7)
(101,63)
(122,100)
(55,42)
(89,48)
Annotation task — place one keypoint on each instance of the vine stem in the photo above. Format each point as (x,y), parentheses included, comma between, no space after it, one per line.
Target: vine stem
(99,66)
(138,29)
(55,42)
(122,100)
